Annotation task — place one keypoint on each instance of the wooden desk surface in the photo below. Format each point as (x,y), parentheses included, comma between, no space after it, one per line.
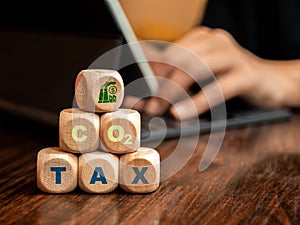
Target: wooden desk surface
(254,180)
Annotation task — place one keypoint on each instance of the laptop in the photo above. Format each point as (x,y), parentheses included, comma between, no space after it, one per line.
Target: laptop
(239,114)
(41,58)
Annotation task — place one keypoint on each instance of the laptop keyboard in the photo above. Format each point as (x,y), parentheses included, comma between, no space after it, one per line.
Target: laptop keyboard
(164,127)
(163,123)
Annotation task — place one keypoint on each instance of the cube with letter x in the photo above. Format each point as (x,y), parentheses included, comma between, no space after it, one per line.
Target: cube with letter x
(140,171)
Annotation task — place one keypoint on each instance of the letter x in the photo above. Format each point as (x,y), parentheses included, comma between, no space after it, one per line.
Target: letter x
(140,175)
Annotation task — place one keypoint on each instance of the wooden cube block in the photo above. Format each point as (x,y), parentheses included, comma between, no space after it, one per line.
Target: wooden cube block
(99,90)
(120,131)
(56,171)
(78,131)
(98,172)
(140,171)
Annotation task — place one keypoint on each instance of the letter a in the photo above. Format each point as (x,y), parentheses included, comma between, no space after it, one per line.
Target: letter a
(95,177)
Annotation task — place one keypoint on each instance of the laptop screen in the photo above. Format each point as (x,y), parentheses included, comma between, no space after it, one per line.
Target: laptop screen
(44,45)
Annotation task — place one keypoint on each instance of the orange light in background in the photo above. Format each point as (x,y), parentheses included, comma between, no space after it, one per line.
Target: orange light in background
(165,20)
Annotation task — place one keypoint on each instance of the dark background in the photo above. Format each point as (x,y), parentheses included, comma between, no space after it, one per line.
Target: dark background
(57,16)
(44,44)
(269,28)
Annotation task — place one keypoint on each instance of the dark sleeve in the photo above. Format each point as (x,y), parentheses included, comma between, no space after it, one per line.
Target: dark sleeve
(269,29)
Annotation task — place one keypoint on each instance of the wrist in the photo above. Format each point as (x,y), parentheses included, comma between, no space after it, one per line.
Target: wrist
(289,72)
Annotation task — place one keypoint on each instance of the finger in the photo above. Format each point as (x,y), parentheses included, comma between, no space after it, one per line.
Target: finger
(216,62)
(214,48)
(160,59)
(213,94)
(198,71)
(154,55)
(187,41)
(198,41)
(132,102)
(184,49)
(170,90)
(161,69)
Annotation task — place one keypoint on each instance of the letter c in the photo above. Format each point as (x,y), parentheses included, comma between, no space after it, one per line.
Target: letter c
(75,133)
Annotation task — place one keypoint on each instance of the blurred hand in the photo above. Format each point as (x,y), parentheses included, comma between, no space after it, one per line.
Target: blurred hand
(238,72)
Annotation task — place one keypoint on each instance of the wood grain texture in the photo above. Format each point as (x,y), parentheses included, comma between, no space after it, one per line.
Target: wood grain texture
(98,172)
(57,171)
(254,180)
(78,131)
(99,90)
(140,171)
(120,131)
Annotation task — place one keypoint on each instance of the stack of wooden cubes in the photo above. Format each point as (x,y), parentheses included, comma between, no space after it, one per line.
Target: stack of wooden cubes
(99,143)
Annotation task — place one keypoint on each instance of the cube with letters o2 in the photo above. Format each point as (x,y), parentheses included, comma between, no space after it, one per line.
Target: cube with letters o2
(120,131)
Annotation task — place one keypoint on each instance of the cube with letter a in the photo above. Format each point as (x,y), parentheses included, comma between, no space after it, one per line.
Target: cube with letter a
(78,131)
(99,90)
(98,172)
(140,171)
(56,170)
(120,131)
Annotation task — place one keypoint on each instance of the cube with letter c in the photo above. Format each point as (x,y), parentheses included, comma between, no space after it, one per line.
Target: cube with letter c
(78,131)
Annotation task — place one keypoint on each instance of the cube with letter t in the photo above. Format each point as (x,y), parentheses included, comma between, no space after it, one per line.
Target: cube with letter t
(57,171)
